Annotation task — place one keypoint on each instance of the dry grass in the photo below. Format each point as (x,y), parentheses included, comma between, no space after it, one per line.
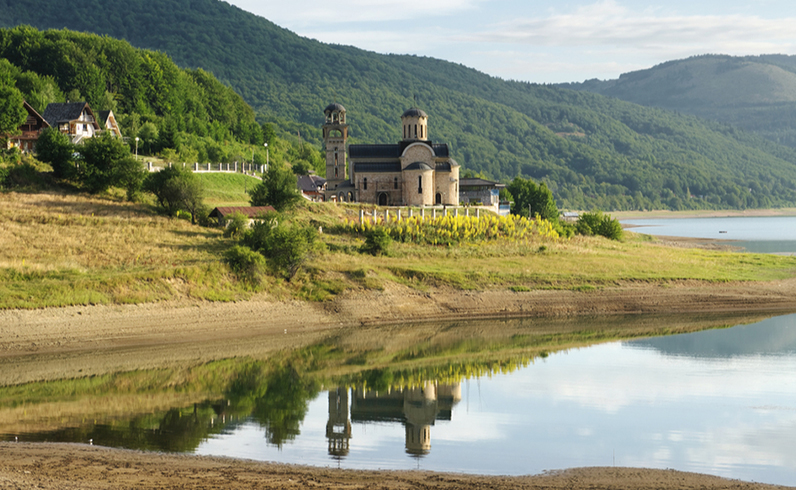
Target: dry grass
(62,249)
(69,249)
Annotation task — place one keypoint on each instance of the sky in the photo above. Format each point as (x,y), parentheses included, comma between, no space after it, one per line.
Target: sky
(543,41)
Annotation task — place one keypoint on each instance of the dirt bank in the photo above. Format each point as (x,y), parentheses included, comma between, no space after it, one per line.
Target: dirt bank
(40,344)
(48,343)
(71,467)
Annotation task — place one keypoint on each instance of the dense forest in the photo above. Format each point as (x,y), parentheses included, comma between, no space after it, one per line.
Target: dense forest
(183,114)
(754,93)
(592,151)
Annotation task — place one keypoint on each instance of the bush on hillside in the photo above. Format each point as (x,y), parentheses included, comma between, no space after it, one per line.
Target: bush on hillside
(286,246)
(377,242)
(247,264)
(597,223)
(236,225)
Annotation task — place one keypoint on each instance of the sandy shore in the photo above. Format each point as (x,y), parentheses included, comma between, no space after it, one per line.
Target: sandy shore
(48,343)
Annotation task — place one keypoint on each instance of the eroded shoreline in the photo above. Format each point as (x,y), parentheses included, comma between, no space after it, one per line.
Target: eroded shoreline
(36,344)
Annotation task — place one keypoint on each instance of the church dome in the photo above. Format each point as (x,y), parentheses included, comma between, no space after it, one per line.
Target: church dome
(334,108)
(414,112)
(419,166)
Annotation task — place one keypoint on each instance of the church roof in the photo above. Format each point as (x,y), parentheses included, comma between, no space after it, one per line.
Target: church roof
(374,151)
(414,112)
(418,166)
(370,167)
(441,150)
(334,108)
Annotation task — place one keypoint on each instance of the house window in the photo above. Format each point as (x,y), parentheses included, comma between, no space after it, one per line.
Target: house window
(419,184)
(395,183)
(365,183)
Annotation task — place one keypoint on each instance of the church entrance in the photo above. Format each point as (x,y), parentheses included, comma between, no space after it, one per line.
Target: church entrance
(383,199)
(439,198)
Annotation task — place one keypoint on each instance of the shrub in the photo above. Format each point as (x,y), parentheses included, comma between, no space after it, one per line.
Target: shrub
(247,264)
(287,247)
(597,223)
(236,225)
(22,175)
(377,242)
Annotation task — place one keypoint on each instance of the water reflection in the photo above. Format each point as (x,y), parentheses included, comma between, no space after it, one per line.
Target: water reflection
(775,336)
(529,398)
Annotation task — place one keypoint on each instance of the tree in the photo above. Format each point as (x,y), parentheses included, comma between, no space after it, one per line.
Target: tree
(526,193)
(107,162)
(176,189)
(55,148)
(12,113)
(278,189)
(287,247)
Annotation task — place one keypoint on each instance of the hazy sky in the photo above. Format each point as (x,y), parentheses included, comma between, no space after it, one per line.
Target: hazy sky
(543,41)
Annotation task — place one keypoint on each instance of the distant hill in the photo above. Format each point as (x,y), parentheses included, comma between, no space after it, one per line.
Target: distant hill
(754,93)
(592,151)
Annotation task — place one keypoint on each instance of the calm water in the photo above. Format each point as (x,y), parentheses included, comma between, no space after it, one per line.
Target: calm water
(755,234)
(721,402)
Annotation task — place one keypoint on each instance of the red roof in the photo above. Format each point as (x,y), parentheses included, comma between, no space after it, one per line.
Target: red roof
(250,211)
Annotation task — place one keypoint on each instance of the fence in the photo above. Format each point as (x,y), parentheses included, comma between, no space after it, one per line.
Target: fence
(398,214)
(244,168)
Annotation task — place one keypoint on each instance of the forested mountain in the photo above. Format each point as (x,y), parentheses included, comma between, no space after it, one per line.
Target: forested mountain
(592,151)
(754,93)
(183,114)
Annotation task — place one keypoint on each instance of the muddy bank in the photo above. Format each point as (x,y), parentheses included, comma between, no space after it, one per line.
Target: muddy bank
(72,467)
(41,344)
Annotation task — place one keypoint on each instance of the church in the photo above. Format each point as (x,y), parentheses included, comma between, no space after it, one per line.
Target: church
(414,172)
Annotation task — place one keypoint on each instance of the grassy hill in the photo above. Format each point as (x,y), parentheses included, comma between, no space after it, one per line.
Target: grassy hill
(755,93)
(101,251)
(592,151)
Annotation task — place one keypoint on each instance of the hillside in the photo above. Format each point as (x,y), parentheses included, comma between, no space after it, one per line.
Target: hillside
(592,151)
(755,93)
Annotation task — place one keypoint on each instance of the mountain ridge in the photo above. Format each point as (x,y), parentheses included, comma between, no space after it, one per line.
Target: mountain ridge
(591,150)
(754,93)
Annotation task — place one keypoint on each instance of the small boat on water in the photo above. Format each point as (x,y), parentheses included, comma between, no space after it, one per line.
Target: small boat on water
(722,232)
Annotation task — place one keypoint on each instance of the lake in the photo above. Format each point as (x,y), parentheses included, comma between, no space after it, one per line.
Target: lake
(720,401)
(775,234)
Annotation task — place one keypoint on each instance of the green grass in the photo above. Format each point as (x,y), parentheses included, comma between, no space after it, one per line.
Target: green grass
(227,189)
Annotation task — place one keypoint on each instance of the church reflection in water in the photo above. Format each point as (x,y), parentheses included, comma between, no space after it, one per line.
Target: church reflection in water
(418,408)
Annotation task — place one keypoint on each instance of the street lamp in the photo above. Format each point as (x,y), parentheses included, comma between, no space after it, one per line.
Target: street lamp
(136,148)
(266,157)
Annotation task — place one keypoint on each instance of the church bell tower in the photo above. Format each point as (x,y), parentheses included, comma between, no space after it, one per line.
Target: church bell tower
(335,137)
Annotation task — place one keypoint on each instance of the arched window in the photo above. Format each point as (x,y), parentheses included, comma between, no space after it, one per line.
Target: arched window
(365,183)
(419,184)
(421,132)
(335,172)
(395,183)
(415,130)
